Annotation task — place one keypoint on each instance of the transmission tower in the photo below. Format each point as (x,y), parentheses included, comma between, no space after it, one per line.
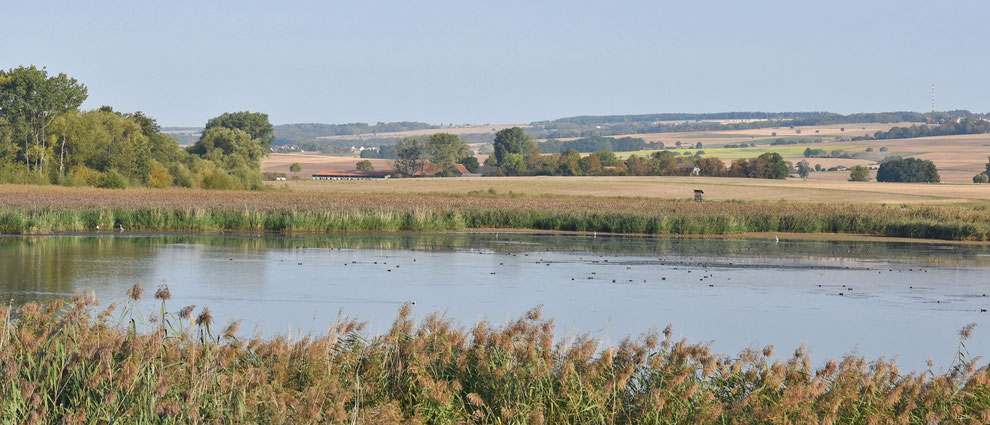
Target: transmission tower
(933,97)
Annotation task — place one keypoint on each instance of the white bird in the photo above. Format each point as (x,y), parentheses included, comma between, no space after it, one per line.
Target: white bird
(777,239)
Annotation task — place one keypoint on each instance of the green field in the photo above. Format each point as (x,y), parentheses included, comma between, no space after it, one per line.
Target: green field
(787,151)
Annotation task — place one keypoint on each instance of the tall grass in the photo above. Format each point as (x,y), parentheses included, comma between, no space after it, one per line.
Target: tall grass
(661,219)
(25,210)
(72,364)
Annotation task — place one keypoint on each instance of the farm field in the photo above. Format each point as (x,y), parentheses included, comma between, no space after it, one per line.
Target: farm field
(731,136)
(312,163)
(459,130)
(716,188)
(958,157)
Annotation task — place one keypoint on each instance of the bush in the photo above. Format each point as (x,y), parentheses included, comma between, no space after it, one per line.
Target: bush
(82,175)
(12,173)
(158,175)
(859,173)
(365,165)
(981,178)
(111,179)
(219,180)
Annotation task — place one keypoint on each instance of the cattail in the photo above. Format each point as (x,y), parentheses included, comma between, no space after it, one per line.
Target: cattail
(204,318)
(475,399)
(135,292)
(967,331)
(231,330)
(768,351)
(186,312)
(163,293)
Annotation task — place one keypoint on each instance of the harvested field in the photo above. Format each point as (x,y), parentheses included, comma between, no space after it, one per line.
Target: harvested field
(312,163)
(459,130)
(716,188)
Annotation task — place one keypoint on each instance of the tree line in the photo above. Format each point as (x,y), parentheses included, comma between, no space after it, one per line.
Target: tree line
(46,139)
(968,125)
(518,154)
(436,155)
(599,143)
(610,125)
(296,133)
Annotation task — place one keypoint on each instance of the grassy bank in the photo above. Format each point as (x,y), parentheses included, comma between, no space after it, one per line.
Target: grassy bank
(71,364)
(48,210)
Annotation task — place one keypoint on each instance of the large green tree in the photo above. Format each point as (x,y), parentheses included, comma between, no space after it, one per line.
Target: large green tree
(255,124)
(514,141)
(411,154)
(446,149)
(30,101)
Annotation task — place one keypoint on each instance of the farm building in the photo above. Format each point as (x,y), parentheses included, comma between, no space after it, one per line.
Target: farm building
(351,175)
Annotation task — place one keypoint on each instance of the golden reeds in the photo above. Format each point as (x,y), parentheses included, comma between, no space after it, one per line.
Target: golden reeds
(66,363)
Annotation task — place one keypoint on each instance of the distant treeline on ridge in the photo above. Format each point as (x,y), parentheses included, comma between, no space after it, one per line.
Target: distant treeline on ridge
(294,133)
(611,125)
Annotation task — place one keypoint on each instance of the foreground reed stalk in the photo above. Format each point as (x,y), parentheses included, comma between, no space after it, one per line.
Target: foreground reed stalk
(71,364)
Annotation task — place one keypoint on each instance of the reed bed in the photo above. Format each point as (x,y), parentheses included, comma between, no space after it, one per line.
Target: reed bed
(70,363)
(56,209)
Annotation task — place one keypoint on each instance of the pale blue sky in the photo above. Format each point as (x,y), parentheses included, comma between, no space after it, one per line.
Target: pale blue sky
(505,61)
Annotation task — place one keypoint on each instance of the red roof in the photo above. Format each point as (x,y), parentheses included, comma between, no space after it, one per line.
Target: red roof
(352,173)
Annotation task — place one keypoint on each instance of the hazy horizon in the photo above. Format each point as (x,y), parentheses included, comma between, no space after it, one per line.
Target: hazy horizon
(513,62)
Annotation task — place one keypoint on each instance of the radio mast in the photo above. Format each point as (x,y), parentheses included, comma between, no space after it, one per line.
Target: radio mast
(933,97)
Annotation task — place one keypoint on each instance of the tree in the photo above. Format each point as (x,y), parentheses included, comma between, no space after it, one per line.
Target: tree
(591,165)
(446,149)
(981,178)
(235,152)
(513,164)
(859,173)
(30,101)
(803,168)
(411,153)
(569,163)
(988,166)
(907,170)
(255,124)
(771,166)
(295,167)
(471,163)
(365,165)
(514,141)
(711,167)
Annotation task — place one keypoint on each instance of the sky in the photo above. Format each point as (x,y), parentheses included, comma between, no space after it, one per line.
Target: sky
(459,62)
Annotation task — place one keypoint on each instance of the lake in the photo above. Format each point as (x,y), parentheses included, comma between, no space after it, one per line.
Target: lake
(871,298)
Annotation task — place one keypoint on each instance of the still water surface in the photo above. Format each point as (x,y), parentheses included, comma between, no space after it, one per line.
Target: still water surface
(874,299)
